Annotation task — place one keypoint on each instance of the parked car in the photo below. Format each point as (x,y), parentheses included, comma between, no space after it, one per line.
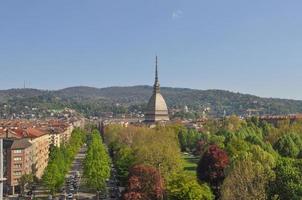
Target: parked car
(70,196)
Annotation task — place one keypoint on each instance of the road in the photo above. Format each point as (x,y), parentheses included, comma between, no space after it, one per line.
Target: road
(77,167)
(112,186)
(83,193)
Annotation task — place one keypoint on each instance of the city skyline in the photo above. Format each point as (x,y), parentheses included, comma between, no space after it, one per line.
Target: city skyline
(250,47)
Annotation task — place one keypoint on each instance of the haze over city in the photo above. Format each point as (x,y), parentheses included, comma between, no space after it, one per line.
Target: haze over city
(243,46)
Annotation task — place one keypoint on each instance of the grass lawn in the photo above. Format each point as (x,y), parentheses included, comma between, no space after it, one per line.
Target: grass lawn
(190,163)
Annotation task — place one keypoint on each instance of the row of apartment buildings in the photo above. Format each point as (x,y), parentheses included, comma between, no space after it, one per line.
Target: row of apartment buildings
(27,145)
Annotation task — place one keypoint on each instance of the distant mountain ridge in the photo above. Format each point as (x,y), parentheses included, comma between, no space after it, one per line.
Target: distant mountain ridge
(103,99)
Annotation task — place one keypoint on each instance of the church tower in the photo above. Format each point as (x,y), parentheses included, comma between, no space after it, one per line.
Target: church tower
(157,108)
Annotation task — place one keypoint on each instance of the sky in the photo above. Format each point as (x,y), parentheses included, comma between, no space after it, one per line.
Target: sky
(243,46)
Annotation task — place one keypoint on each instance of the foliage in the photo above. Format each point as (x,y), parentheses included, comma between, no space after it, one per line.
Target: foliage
(188,139)
(97,163)
(289,145)
(53,178)
(237,156)
(248,180)
(61,160)
(124,160)
(232,123)
(153,147)
(25,180)
(248,131)
(216,140)
(211,167)
(263,157)
(160,151)
(236,146)
(201,146)
(144,183)
(183,186)
(288,184)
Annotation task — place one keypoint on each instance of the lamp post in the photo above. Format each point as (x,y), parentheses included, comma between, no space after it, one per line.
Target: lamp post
(2,179)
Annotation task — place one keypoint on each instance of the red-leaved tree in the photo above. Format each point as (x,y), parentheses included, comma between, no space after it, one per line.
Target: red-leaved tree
(211,167)
(144,183)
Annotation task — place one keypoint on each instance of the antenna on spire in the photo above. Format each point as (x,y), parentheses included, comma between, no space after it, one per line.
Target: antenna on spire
(156,72)
(156,83)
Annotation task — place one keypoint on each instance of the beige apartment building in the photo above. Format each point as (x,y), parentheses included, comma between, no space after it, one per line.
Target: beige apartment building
(59,133)
(40,152)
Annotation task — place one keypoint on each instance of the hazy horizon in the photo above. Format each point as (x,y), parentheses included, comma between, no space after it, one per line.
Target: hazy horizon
(56,89)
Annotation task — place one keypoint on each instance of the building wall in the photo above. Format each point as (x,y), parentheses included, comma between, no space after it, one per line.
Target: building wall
(20,163)
(55,139)
(79,123)
(65,136)
(40,154)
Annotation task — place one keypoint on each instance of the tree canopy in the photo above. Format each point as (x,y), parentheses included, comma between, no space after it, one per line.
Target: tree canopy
(184,186)
(96,163)
(60,161)
(144,183)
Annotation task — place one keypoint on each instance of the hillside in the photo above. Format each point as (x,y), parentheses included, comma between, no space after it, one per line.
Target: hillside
(93,101)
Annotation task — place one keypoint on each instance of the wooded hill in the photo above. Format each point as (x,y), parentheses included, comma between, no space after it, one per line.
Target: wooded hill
(93,101)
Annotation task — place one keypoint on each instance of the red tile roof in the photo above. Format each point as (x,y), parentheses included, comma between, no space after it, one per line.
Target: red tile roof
(33,132)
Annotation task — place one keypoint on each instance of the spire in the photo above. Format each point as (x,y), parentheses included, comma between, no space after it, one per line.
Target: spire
(156,84)
(156,72)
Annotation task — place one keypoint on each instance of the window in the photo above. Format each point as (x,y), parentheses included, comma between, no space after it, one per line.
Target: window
(17,166)
(18,151)
(17,158)
(17,173)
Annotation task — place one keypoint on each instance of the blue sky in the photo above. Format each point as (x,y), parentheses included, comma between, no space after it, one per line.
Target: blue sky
(239,45)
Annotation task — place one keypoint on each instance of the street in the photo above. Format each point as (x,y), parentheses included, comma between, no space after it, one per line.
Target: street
(76,170)
(75,184)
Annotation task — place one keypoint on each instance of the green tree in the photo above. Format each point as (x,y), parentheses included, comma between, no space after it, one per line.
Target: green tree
(288,184)
(188,139)
(217,140)
(184,186)
(287,146)
(159,149)
(60,160)
(182,137)
(123,162)
(236,146)
(25,180)
(247,180)
(96,163)
(52,178)
(232,123)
